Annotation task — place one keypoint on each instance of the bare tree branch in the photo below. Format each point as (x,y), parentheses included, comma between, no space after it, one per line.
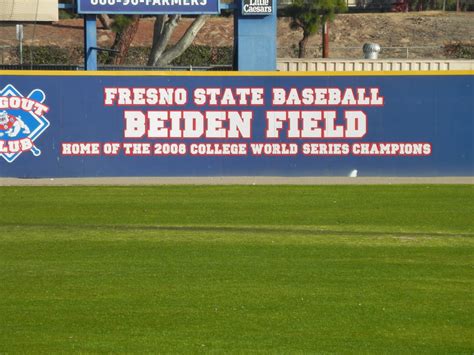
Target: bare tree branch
(163,29)
(184,42)
(161,55)
(105,21)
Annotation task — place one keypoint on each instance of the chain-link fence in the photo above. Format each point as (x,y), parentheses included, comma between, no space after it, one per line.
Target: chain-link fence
(9,55)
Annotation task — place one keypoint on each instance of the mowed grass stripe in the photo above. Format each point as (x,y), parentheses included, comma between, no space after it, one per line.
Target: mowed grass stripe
(97,278)
(238,231)
(399,208)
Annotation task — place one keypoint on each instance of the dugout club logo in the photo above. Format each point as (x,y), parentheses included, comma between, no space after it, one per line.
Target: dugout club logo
(22,122)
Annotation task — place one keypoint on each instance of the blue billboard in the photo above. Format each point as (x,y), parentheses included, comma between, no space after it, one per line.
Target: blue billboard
(63,124)
(148,7)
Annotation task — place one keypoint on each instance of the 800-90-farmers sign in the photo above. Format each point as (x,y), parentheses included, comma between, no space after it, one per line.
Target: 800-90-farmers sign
(238,125)
(147,7)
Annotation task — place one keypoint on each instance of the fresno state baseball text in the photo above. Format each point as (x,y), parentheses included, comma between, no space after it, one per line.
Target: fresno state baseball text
(310,121)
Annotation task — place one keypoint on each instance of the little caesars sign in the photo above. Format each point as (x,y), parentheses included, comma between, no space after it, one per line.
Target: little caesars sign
(257,7)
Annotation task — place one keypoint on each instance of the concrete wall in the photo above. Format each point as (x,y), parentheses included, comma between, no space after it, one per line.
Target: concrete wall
(292,64)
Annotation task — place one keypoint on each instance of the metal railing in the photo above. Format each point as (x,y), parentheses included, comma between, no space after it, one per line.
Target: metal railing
(359,65)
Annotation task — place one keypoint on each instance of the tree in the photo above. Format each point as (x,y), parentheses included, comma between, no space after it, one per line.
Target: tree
(309,15)
(161,54)
(125,28)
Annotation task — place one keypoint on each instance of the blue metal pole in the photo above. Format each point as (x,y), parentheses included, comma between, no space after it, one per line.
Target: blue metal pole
(90,42)
(255,40)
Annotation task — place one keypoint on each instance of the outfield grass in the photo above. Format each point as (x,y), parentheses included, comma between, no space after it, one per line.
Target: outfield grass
(284,269)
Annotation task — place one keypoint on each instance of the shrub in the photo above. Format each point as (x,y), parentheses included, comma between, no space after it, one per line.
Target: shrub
(459,50)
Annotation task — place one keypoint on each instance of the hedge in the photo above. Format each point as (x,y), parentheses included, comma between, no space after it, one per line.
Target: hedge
(137,56)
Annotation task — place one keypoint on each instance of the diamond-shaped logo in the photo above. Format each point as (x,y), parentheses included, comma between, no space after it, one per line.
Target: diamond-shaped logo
(22,121)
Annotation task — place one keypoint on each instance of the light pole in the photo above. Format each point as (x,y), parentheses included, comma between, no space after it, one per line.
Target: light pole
(19,37)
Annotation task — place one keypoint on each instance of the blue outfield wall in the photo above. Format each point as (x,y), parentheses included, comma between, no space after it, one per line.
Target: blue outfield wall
(57,124)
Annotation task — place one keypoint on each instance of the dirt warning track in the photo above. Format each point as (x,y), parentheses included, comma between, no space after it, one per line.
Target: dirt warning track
(234,180)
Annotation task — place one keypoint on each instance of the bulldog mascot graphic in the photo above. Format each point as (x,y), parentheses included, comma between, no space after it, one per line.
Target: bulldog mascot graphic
(11,126)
